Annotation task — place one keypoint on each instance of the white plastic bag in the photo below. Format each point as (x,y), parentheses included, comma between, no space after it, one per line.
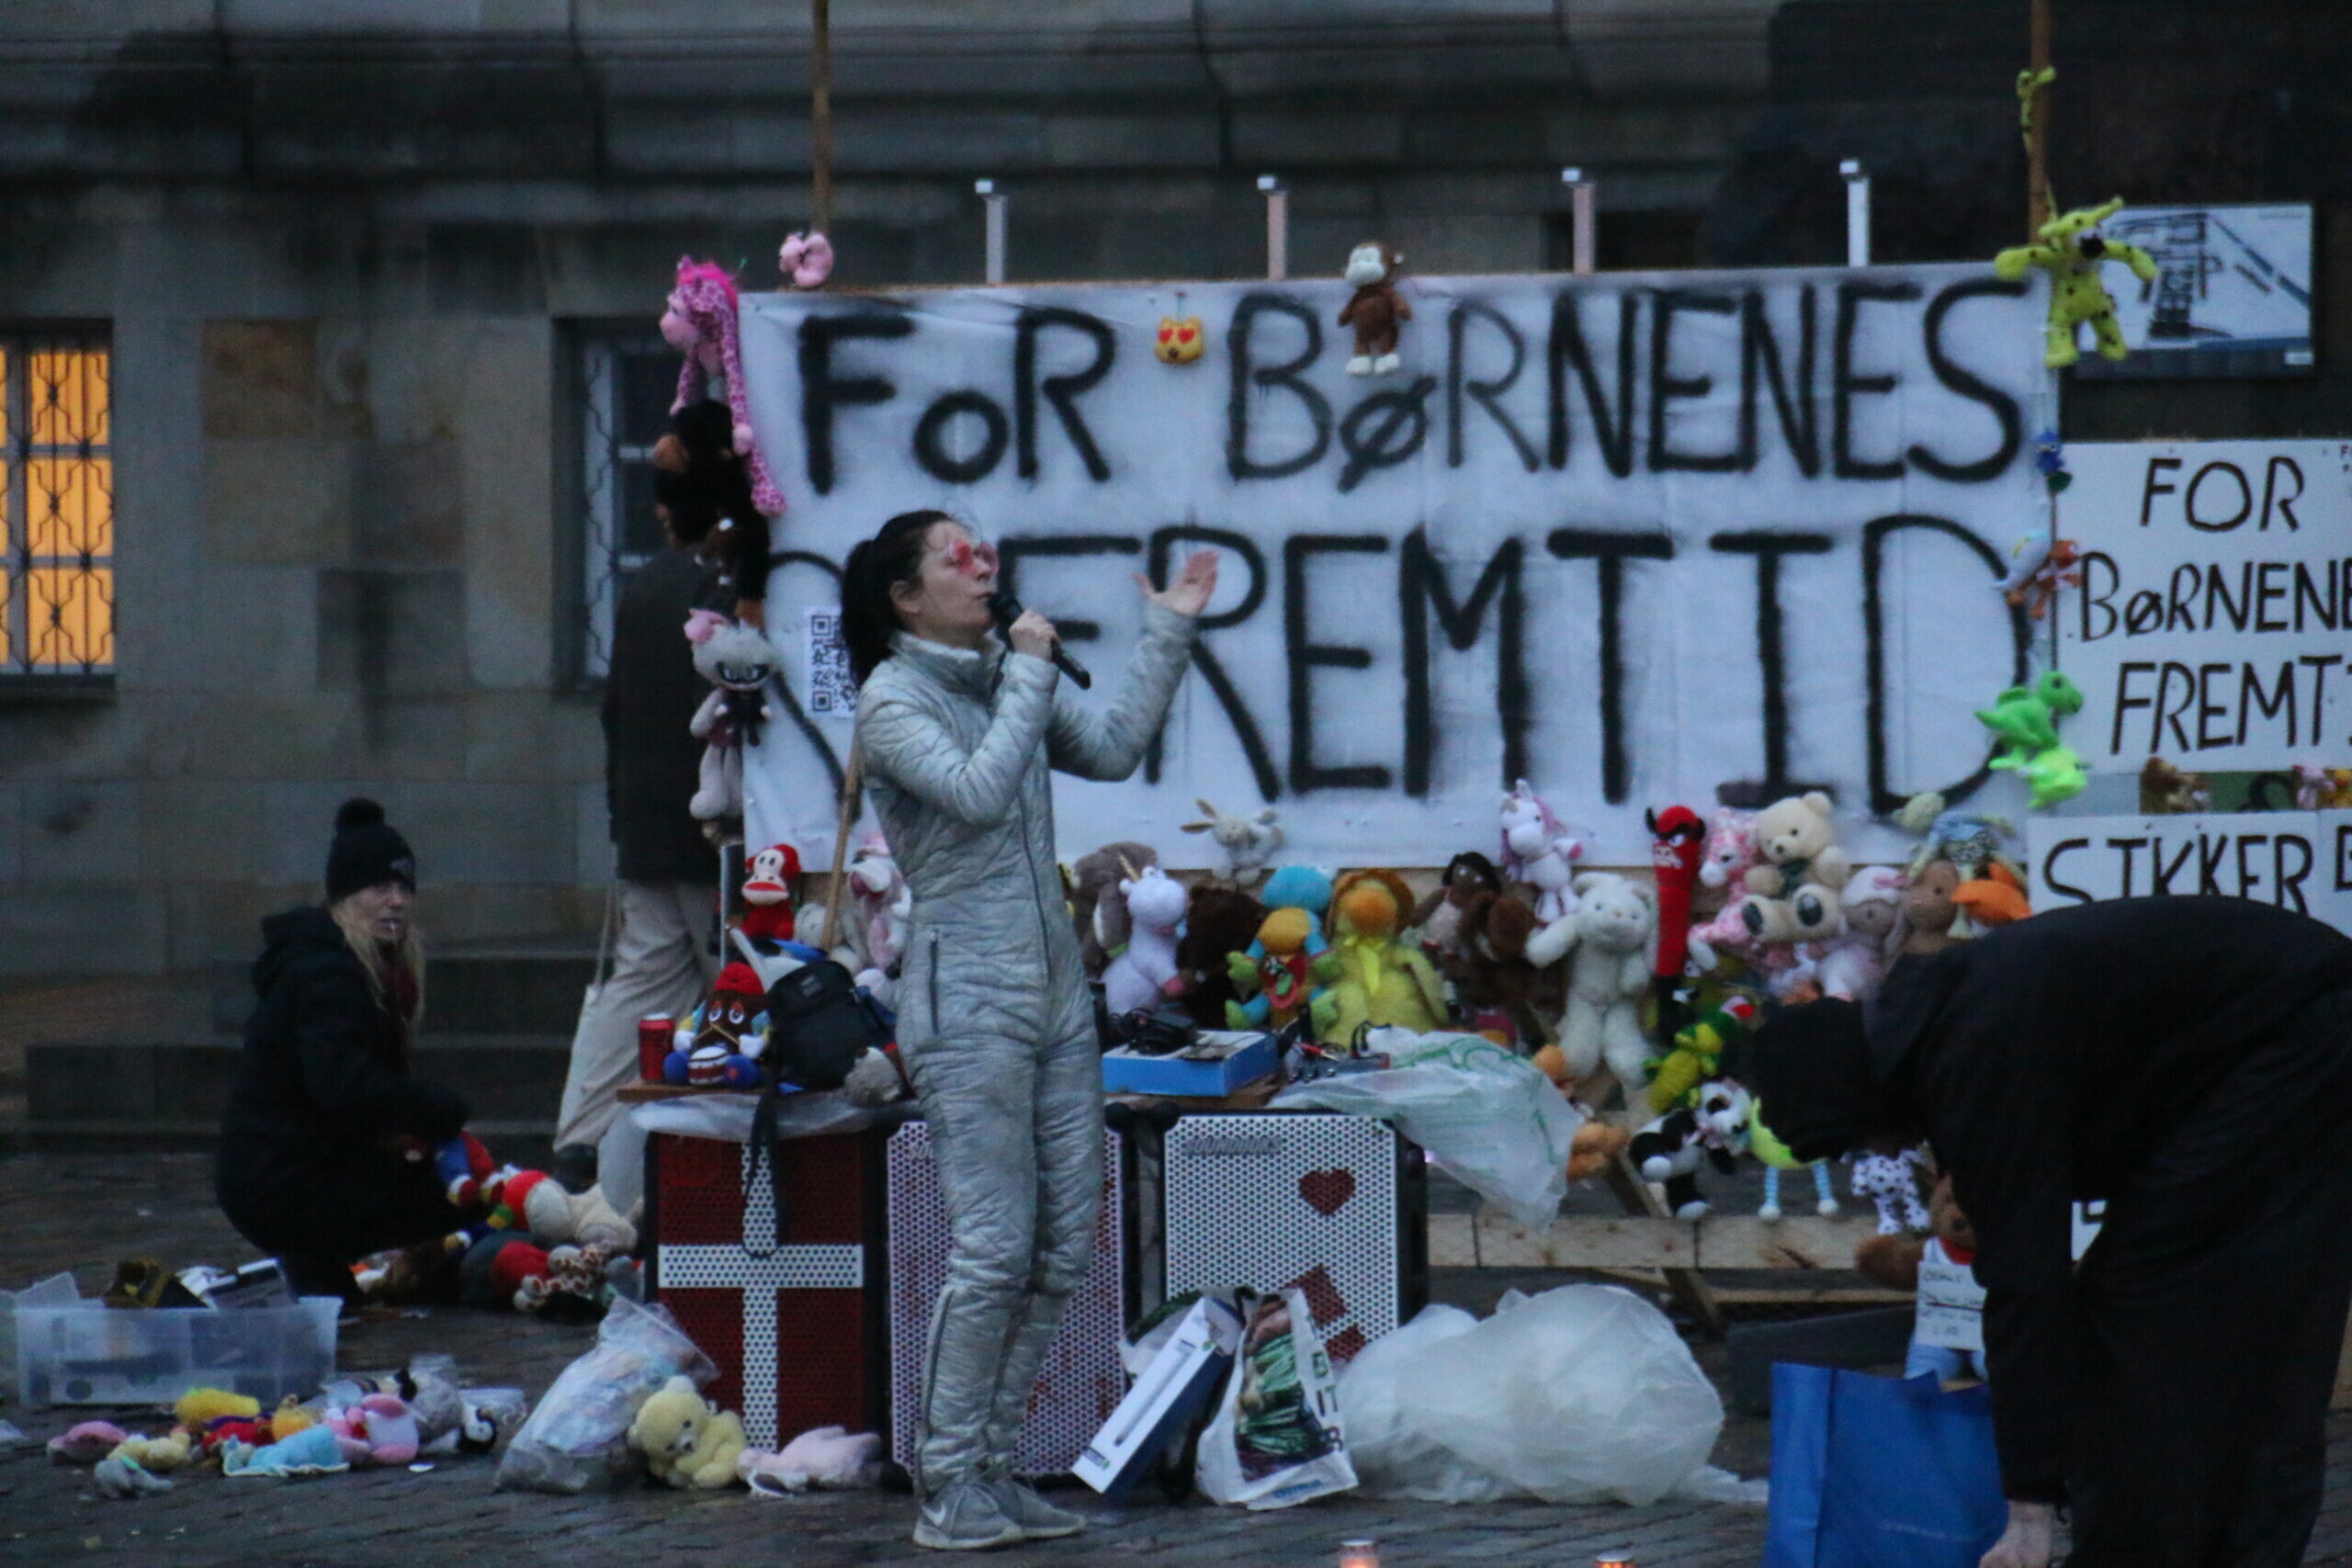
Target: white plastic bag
(1276,1439)
(1581,1395)
(578,1437)
(1491,1119)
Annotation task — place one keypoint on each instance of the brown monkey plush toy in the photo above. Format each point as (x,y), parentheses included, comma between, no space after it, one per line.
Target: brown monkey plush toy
(1375,310)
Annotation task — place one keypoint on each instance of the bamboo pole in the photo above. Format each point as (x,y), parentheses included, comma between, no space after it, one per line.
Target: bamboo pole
(820,115)
(836,896)
(2037,156)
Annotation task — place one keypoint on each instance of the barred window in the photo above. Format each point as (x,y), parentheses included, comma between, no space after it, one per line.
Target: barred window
(624,379)
(57,520)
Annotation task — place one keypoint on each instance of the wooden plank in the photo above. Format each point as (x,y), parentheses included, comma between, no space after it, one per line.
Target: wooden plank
(1732,1241)
(1687,1286)
(1490,1241)
(1743,1241)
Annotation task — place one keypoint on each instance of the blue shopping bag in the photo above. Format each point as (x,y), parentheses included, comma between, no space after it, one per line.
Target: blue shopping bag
(1880,1472)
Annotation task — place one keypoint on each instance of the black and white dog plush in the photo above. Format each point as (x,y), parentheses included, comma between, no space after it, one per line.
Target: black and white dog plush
(1670,1149)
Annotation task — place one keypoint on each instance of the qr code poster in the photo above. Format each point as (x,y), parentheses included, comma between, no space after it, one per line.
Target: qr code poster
(831,693)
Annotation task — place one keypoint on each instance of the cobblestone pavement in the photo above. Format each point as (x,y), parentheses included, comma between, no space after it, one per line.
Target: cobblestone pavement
(82,1211)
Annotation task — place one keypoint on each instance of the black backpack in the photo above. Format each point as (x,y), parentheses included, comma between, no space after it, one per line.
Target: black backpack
(818,1026)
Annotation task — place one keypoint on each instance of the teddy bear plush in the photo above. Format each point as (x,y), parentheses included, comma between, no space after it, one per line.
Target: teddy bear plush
(2166,791)
(1495,976)
(687,1440)
(1219,922)
(1924,919)
(1895,1262)
(1381,979)
(1793,890)
(1141,976)
(1607,942)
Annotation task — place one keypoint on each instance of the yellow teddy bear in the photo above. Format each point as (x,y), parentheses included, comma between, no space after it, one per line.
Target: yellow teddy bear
(2071,252)
(687,1440)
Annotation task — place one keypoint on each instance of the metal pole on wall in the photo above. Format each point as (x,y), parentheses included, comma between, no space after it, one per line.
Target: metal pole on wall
(1581,219)
(994,199)
(1857,212)
(820,115)
(1277,227)
(2037,155)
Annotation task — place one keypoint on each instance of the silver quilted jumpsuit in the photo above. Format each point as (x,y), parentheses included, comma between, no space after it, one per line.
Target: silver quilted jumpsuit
(994,1018)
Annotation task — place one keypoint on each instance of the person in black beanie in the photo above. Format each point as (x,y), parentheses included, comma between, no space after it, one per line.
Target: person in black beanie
(2187,1060)
(325,1146)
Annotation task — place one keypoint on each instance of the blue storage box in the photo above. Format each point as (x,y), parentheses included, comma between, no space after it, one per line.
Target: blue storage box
(1126,1072)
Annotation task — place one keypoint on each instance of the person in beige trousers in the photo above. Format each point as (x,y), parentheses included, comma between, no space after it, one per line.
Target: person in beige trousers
(664,956)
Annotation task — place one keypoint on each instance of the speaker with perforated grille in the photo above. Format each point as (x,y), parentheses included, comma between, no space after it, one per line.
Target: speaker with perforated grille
(1083,1380)
(797,1321)
(1335,1205)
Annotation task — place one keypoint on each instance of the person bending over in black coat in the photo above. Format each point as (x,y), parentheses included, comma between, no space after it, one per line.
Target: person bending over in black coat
(326,1146)
(2188,1061)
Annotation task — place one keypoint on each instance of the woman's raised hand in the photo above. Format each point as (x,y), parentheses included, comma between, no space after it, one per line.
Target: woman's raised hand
(1196,581)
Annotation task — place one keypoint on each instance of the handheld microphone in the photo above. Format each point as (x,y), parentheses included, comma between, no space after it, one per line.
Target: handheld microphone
(1007,610)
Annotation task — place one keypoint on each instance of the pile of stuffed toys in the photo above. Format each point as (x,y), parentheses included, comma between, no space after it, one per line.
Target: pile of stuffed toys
(354,1424)
(1614,985)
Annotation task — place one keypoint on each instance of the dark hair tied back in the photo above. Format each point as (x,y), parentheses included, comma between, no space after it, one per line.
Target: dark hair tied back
(876,566)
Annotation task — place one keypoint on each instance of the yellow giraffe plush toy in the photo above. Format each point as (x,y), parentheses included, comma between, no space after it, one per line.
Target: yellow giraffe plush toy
(2071,252)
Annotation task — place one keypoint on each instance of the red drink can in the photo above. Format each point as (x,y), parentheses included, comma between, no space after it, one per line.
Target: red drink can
(655,1037)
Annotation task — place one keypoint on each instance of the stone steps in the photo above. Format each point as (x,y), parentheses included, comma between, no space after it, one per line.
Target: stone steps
(498,1029)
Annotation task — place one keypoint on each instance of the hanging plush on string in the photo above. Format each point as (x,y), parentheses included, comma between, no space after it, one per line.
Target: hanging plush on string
(2071,250)
(2025,721)
(700,322)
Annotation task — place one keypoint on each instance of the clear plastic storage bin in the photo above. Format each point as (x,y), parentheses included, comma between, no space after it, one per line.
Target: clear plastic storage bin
(90,1354)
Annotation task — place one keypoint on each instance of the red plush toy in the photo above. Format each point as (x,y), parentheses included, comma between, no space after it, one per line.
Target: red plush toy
(767,892)
(1678,842)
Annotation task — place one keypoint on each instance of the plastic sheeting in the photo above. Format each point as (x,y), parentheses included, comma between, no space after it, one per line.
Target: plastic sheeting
(1581,1395)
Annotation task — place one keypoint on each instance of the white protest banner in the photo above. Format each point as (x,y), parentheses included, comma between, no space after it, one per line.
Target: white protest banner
(2297,860)
(2215,615)
(1631,537)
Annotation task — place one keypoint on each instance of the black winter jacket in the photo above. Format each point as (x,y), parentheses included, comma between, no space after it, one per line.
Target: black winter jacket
(324,1080)
(2052,1061)
(651,762)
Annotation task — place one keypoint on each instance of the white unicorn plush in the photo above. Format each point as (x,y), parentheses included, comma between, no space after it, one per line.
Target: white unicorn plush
(1538,850)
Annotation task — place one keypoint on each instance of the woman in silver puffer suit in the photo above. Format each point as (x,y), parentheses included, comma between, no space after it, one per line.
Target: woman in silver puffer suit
(995,1023)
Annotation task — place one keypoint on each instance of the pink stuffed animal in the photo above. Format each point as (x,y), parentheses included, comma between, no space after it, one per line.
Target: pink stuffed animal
(700,322)
(1730,851)
(830,1458)
(806,259)
(377,1430)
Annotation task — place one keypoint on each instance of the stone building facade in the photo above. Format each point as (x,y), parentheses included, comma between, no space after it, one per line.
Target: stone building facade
(353,268)
(371,282)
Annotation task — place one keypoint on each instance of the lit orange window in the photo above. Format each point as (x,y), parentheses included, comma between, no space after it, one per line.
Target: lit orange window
(56,505)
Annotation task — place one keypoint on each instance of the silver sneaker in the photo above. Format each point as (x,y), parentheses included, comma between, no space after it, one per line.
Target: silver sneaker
(966,1517)
(1031,1515)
